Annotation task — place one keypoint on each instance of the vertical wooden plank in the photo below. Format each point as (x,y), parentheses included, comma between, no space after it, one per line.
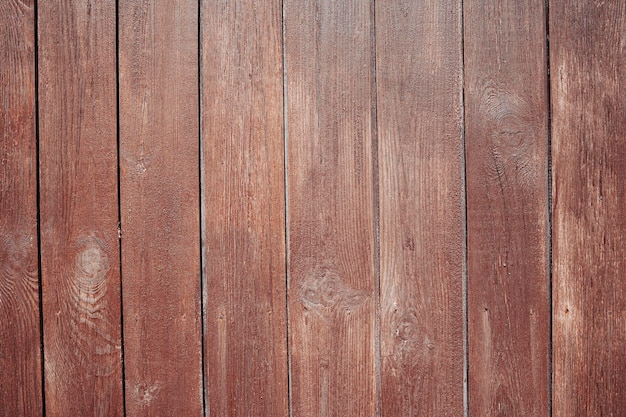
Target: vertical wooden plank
(79,208)
(243,183)
(332,291)
(418,56)
(588,62)
(20,358)
(159,155)
(506,119)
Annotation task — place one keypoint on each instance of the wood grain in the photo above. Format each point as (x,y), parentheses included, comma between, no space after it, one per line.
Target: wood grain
(244,208)
(506,131)
(20,356)
(332,292)
(588,62)
(79,208)
(418,56)
(160,192)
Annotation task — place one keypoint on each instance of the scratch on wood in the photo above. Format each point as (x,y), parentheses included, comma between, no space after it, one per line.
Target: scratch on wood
(324,394)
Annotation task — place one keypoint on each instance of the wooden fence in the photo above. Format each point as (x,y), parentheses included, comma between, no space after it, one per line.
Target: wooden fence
(313,208)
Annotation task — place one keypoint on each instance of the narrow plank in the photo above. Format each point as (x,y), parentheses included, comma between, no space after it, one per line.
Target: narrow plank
(418,55)
(244,234)
(20,356)
(332,292)
(588,62)
(506,119)
(159,186)
(79,208)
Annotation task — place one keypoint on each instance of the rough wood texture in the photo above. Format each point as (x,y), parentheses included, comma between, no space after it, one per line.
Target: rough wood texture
(332,297)
(366,316)
(20,357)
(79,210)
(588,62)
(244,208)
(506,119)
(159,154)
(421,207)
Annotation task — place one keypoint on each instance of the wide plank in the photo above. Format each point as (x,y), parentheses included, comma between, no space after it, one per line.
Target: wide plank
(20,353)
(506,133)
(160,206)
(332,275)
(79,208)
(588,65)
(418,73)
(243,208)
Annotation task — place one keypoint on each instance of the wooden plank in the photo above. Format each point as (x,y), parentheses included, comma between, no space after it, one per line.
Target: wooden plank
(244,206)
(20,356)
(506,131)
(418,56)
(79,208)
(332,292)
(588,62)
(159,154)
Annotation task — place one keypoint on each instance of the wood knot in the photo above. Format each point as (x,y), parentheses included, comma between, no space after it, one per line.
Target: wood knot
(14,254)
(18,269)
(325,293)
(139,163)
(407,328)
(145,393)
(412,345)
(92,326)
(92,264)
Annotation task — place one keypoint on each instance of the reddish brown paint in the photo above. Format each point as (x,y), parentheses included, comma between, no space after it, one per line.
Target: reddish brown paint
(374,198)
(420,150)
(20,358)
(332,290)
(160,207)
(244,208)
(506,132)
(587,60)
(79,208)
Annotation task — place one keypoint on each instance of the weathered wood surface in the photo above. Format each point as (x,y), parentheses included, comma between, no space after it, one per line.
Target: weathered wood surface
(419,66)
(310,155)
(20,356)
(588,64)
(79,208)
(506,131)
(244,208)
(330,210)
(160,206)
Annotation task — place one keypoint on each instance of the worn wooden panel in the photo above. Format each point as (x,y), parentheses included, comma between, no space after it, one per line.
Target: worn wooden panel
(332,291)
(79,208)
(20,358)
(588,62)
(159,154)
(418,60)
(244,208)
(506,119)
